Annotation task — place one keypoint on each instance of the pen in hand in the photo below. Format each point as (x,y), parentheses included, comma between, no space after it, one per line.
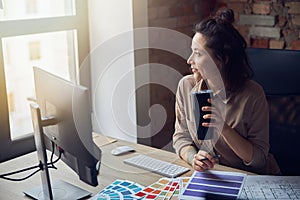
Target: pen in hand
(215,156)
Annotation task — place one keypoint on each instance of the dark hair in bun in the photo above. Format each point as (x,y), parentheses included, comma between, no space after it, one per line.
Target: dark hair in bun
(227,45)
(225,16)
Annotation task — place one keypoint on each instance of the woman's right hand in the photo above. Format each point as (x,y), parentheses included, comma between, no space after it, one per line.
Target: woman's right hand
(203,161)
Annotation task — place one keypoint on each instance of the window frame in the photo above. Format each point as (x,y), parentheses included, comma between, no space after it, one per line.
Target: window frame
(13,148)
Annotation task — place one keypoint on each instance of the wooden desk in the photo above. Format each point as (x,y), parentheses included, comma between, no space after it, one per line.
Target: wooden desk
(112,168)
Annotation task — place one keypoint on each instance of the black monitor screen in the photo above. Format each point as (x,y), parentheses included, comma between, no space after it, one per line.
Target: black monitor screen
(69,104)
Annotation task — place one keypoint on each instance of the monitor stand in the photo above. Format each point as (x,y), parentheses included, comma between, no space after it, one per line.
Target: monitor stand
(59,189)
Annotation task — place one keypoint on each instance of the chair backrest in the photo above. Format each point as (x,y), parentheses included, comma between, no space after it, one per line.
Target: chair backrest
(278,71)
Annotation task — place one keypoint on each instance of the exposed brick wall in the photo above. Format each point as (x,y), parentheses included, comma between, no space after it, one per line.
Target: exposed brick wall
(267,23)
(263,23)
(179,15)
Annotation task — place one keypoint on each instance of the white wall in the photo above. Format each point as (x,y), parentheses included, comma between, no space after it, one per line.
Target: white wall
(112,61)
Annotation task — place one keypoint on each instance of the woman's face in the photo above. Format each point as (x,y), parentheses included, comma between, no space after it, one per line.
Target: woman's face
(202,63)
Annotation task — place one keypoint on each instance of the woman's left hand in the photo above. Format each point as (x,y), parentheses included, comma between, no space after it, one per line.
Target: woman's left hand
(203,161)
(215,116)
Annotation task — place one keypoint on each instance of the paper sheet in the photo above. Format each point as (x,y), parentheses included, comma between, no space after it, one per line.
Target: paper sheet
(271,187)
(101,140)
(214,185)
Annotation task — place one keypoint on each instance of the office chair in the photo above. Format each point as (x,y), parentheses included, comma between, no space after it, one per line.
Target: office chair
(278,72)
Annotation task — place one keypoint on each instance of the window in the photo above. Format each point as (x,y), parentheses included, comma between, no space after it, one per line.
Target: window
(46,50)
(34,50)
(30,9)
(39,33)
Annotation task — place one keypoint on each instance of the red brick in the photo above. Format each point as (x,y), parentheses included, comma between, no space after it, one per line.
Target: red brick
(276,44)
(180,29)
(163,12)
(183,21)
(188,9)
(261,8)
(295,45)
(186,1)
(194,19)
(294,7)
(204,8)
(244,30)
(171,2)
(290,35)
(285,32)
(236,17)
(255,1)
(152,13)
(176,10)
(296,20)
(164,22)
(221,5)
(155,3)
(185,30)
(248,9)
(260,43)
(277,9)
(236,7)
(282,21)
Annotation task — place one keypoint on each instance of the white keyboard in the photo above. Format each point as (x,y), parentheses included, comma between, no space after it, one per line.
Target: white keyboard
(156,166)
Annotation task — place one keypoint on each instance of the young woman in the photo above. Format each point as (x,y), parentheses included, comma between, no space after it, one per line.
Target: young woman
(239,111)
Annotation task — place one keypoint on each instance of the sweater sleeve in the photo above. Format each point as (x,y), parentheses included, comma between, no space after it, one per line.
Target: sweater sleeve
(181,136)
(258,130)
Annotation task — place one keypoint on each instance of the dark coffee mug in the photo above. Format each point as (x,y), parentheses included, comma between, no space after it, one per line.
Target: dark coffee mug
(200,100)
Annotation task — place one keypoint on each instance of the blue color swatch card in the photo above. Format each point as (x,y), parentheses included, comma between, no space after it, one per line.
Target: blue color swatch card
(213,185)
(119,190)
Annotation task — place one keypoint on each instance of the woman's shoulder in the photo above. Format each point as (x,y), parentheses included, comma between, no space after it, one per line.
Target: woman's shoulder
(254,86)
(187,81)
(253,89)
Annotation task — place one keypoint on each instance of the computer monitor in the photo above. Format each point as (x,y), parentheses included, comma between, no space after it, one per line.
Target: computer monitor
(62,117)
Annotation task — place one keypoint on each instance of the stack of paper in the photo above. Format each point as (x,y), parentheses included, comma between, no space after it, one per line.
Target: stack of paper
(213,185)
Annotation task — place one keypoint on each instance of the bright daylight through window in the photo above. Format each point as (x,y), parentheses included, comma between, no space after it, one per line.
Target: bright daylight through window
(52,51)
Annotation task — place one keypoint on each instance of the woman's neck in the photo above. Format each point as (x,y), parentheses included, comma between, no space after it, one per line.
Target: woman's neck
(216,83)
